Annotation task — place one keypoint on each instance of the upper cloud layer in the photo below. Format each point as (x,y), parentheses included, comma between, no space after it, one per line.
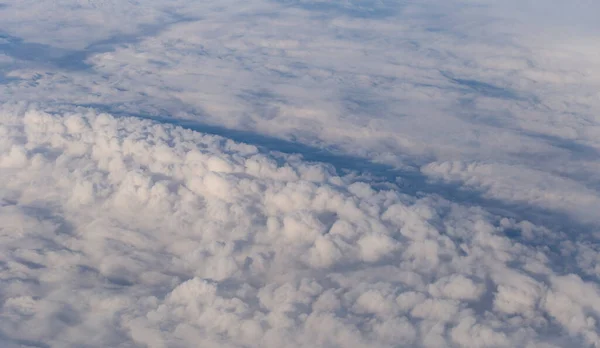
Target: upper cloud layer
(122,232)
(403,83)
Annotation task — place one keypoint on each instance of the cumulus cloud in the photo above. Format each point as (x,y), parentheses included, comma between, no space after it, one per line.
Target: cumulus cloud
(123,232)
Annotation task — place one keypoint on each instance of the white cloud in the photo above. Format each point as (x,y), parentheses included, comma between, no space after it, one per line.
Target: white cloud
(120,232)
(414,172)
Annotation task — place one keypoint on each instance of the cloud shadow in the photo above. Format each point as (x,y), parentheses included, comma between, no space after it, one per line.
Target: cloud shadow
(353,8)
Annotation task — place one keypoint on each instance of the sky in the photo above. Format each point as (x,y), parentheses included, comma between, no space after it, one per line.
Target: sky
(299,173)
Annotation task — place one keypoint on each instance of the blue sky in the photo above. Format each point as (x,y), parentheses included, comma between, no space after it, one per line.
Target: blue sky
(326,173)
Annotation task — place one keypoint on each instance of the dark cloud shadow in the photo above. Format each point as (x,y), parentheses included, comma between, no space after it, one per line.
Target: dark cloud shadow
(42,54)
(577,150)
(353,8)
(5,79)
(76,60)
(14,342)
(361,102)
(485,89)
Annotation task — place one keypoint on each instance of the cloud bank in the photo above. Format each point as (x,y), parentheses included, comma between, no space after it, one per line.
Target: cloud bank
(299,173)
(509,86)
(122,232)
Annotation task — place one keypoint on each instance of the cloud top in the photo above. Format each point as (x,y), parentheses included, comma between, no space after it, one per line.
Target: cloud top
(121,232)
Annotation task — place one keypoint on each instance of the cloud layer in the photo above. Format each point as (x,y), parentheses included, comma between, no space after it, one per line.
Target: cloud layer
(418,84)
(299,173)
(122,232)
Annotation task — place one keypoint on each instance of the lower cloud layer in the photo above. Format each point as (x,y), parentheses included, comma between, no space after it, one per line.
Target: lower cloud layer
(121,232)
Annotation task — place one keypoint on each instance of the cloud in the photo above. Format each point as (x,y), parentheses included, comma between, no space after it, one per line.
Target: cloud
(543,189)
(346,173)
(407,85)
(120,232)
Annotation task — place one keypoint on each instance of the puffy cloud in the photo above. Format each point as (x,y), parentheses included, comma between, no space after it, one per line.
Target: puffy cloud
(119,232)
(456,287)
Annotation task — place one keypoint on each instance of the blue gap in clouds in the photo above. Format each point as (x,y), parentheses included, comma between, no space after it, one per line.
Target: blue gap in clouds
(23,342)
(40,53)
(75,60)
(5,79)
(353,8)
(577,150)
(484,88)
